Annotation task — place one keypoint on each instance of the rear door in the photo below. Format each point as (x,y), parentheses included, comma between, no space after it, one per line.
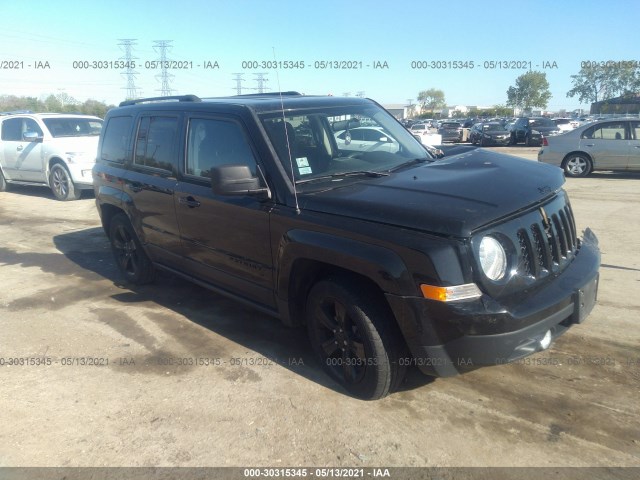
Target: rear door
(225,238)
(634,146)
(151,183)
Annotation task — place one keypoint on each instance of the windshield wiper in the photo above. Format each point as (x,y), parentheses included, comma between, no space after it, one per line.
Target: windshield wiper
(415,161)
(366,173)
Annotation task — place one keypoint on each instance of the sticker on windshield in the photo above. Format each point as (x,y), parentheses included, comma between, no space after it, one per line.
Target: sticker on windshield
(303,165)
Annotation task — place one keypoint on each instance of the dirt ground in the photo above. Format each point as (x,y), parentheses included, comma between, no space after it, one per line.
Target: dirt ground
(95,373)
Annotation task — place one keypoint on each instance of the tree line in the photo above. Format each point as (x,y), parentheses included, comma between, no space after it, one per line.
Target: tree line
(61,103)
(596,81)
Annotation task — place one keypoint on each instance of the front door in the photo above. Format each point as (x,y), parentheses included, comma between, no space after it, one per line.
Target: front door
(634,146)
(608,145)
(22,159)
(225,238)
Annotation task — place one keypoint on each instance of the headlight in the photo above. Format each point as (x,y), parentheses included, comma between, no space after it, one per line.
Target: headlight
(493,258)
(73,157)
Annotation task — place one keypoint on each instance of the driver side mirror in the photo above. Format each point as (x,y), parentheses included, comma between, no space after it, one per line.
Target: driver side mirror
(31,137)
(236,180)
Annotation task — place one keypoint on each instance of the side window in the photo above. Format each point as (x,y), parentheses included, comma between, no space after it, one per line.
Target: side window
(635,130)
(156,141)
(31,126)
(12,130)
(588,133)
(212,143)
(609,131)
(373,135)
(116,139)
(357,135)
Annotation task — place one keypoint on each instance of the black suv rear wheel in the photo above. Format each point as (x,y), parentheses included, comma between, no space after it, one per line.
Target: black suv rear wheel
(354,336)
(132,261)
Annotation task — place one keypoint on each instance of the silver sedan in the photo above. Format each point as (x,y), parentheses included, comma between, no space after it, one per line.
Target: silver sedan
(612,144)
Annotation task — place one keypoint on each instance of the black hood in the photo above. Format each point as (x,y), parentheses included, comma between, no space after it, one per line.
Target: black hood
(452,196)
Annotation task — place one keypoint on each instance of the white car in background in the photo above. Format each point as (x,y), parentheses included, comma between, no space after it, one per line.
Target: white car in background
(51,149)
(366,139)
(422,133)
(566,124)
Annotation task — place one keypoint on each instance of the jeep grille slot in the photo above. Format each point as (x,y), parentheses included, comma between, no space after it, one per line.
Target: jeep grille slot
(526,264)
(548,244)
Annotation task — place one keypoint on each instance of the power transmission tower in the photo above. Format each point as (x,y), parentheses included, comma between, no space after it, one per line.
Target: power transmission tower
(161,47)
(262,80)
(130,73)
(238,78)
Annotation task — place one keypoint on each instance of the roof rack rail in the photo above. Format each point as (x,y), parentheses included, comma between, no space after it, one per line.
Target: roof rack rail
(179,98)
(16,112)
(271,94)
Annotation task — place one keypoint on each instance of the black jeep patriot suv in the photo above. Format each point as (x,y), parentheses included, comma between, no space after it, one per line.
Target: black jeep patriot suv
(326,212)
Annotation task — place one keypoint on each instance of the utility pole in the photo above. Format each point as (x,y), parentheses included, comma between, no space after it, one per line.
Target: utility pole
(262,80)
(161,47)
(130,73)
(238,79)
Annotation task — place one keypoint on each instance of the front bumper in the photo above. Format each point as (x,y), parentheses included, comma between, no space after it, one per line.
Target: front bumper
(447,339)
(81,174)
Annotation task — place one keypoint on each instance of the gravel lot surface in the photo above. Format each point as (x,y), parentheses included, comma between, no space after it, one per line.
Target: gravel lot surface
(172,375)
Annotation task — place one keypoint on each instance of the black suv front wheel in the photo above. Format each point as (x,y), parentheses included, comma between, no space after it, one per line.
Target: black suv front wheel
(132,261)
(353,335)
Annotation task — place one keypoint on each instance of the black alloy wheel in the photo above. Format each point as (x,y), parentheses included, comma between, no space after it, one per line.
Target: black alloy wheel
(353,334)
(131,259)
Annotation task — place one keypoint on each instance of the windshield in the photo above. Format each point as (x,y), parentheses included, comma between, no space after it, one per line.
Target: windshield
(332,141)
(493,127)
(73,127)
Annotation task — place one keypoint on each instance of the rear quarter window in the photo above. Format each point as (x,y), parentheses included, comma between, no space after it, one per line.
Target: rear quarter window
(116,138)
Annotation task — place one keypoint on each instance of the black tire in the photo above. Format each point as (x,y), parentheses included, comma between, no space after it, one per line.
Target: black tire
(355,338)
(512,139)
(131,259)
(482,142)
(527,140)
(473,140)
(3,182)
(61,184)
(577,165)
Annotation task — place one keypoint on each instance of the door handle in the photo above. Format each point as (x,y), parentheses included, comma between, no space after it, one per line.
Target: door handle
(589,144)
(19,148)
(637,146)
(189,201)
